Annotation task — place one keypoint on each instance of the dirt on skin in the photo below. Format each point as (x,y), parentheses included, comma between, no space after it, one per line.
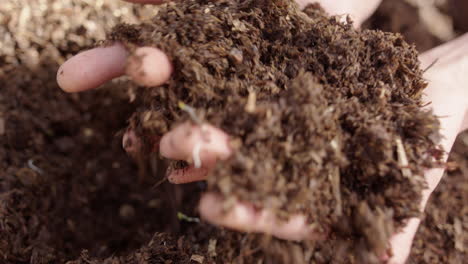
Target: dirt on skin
(336,131)
(67,186)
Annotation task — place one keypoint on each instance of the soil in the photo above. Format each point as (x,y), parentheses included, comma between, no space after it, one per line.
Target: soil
(331,128)
(69,193)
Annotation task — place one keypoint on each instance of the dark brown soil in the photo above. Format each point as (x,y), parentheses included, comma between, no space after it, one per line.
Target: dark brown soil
(66,185)
(336,110)
(65,182)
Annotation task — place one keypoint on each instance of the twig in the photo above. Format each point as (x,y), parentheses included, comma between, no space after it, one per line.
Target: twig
(251,102)
(402,158)
(184,217)
(335,179)
(191,111)
(34,167)
(431,65)
(160,182)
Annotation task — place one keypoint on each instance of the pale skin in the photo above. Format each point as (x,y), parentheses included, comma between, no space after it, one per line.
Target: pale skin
(446,94)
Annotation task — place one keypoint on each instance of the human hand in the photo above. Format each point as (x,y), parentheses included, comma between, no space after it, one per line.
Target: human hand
(446,94)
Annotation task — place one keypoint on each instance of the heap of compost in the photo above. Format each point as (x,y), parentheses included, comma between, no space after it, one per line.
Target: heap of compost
(329,118)
(345,102)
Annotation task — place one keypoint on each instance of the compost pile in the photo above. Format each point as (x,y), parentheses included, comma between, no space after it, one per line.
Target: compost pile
(68,185)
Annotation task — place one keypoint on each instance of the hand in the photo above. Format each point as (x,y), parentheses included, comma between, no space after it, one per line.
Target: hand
(447,94)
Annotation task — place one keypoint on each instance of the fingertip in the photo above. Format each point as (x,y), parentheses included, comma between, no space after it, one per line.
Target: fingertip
(179,143)
(149,66)
(241,217)
(295,228)
(92,68)
(218,143)
(244,217)
(167,147)
(210,208)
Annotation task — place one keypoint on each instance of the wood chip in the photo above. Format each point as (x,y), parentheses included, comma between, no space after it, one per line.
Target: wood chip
(197,258)
(212,248)
(402,158)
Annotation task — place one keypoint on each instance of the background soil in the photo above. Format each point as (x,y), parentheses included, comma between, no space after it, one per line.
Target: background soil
(67,186)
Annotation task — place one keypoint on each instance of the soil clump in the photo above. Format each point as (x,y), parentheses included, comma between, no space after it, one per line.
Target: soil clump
(338,132)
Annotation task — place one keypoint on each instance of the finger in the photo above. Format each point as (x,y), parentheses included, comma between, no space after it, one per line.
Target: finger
(149,66)
(199,145)
(134,146)
(195,144)
(244,217)
(92,68)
